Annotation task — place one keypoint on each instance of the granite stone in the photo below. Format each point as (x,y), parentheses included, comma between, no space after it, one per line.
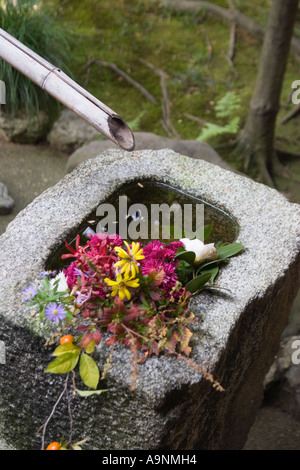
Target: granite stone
(237,335)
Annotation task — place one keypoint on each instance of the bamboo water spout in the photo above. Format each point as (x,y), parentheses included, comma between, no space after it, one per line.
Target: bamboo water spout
(64,89)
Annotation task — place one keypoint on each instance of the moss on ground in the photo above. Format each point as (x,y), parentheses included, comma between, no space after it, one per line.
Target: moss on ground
(190,48)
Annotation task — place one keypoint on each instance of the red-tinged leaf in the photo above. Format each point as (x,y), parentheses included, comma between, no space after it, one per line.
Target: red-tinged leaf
(155,277)
(155,348)
(112,340)
(132,316)
(116,329)
(170,345)
(82,328)
(184,338)
(86,340)
(97,336)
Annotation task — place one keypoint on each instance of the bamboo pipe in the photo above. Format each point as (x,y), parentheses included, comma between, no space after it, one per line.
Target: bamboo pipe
(64,89)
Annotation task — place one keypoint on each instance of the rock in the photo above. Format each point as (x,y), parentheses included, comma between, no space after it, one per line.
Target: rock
(282,383)
(148,140)
(24,129)
(6,202)
(237,334)
(70,132)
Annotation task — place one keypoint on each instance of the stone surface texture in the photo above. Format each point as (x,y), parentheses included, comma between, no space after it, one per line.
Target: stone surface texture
(236,336)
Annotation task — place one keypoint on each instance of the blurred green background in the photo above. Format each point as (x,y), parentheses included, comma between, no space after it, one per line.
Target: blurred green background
(190,48)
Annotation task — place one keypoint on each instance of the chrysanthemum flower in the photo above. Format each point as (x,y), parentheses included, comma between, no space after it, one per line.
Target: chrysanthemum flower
(55,312)
(130,258)
(120,286)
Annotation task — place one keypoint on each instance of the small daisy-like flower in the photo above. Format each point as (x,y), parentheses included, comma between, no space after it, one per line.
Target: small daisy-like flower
(48,273)
(120,286)
(130,258)
(55,312)
(29,292)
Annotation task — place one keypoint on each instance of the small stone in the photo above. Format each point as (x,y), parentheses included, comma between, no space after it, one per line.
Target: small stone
(23,128)
(70,132)
(6,202)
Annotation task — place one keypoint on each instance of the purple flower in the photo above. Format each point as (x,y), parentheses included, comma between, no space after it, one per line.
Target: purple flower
(48,273)
(55,312)
(30,292)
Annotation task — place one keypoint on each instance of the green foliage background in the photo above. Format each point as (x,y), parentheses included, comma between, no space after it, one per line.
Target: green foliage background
(190,48)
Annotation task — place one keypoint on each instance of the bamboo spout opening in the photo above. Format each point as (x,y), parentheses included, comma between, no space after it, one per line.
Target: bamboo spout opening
(121,132)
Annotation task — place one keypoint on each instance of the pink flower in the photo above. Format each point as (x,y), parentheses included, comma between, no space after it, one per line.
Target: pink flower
(71,274)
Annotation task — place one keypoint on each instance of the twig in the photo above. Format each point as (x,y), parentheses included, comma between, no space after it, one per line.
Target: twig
(166,105)
(291,114)
(44,426)
(123,74)
(230,63)
(196,119)
(231,51)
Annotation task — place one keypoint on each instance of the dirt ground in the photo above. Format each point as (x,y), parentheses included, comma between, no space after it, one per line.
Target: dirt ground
(27,171)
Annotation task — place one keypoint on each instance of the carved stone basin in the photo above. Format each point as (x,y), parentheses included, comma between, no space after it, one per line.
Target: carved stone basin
(236,336)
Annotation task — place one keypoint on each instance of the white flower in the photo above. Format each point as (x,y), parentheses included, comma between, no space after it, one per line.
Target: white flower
(203,252)
(62,284)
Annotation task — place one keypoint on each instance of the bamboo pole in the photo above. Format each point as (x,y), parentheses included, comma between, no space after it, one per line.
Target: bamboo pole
(64,89)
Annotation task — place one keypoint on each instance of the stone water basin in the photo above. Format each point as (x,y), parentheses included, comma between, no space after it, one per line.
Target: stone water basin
(144,194)
(236,336)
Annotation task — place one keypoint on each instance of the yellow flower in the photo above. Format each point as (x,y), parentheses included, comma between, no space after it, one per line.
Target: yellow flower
(129,260)
(120,286)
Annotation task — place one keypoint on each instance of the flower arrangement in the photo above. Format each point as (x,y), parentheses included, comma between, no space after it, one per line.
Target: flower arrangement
(137,294)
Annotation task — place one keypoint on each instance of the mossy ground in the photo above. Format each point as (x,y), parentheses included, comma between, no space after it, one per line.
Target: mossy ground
(191,49)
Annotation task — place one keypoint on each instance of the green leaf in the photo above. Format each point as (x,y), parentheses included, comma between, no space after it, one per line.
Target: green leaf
(195,284)
(90,347)
(89,371)
(227,104)
(211,264)
(213,273)
(45,283)
(63,364)
(88,393)
(225,251)
(188,256)
(183,271)
(66,348)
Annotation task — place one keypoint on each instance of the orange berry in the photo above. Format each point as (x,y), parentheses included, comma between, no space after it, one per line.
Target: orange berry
(53,446)
(66,339)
